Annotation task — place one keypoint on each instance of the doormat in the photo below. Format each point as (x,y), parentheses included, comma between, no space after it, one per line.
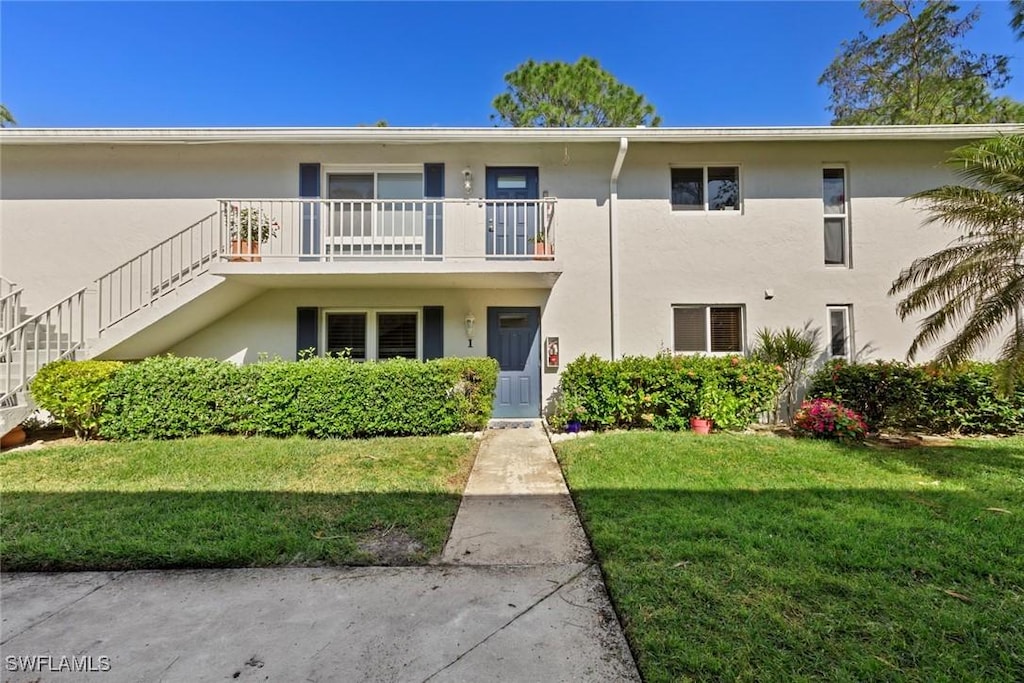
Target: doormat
(518,424)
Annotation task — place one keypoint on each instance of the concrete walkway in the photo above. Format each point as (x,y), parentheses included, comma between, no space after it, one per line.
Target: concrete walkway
(517,599)
(516,509)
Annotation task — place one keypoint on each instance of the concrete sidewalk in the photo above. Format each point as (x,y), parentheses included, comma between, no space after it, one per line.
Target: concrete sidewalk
(518,601)
(516,508)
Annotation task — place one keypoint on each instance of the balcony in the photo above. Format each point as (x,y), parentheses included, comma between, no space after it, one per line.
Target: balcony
(407,242)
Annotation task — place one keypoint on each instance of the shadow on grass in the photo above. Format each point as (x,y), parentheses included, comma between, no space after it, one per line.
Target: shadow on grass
(834,583)
(170,529)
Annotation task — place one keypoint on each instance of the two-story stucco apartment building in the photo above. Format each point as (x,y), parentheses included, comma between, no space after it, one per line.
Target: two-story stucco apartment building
(456,242)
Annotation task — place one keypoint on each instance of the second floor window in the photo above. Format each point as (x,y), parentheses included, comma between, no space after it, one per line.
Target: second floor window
(837,227)
(706,188)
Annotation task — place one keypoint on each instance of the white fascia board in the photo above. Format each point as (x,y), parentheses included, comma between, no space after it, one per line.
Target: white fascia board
(149,136)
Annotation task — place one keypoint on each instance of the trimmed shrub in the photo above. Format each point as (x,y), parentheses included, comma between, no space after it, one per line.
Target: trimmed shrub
(664,392)
(166,397)
(823,418)
(895,395)
(319,397)
(74,392)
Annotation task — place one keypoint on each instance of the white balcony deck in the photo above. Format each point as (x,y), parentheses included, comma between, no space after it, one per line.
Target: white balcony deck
(394,243)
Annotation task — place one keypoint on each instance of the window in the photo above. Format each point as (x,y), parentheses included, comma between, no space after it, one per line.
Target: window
(839,339)
(382,207)
(833,196)
(396,335)
(372,334)
(346,331)
(706,188)
(707,329)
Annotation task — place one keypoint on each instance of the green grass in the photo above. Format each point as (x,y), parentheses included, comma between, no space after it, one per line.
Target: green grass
(769,559)
(230,502)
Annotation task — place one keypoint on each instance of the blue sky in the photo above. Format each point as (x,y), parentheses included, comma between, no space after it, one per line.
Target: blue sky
(420,64)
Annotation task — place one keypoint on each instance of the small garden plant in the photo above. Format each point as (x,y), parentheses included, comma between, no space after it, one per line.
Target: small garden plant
(822,418)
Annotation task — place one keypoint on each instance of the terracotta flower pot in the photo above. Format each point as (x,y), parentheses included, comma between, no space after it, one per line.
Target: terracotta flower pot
(244,250)
(542,251)
(700,426)
(13,438)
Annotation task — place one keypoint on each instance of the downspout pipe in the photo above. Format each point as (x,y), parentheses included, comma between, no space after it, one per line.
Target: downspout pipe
(613,243)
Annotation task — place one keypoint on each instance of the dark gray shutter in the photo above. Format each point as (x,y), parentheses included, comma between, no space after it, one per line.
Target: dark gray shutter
(306,330)
(433,181)
(433,188)
(309,188)
(433,332)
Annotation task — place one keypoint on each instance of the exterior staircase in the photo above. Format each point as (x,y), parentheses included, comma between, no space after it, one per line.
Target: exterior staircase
(146,291)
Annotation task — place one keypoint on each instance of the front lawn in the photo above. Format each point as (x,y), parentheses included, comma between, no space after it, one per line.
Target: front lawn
(230,502)
(769,559)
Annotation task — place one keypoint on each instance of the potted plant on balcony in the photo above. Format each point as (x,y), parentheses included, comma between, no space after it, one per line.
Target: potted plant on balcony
(542,249)
(248,228)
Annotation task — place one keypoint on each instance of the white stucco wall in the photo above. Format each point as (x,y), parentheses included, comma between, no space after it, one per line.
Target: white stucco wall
(69,213)
(776,242)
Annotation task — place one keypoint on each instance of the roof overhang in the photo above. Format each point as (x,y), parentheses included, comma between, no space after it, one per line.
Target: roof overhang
(420,136)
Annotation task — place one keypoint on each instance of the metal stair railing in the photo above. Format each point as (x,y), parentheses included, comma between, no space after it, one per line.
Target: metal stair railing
(52,335)
(158,271)
(10,304)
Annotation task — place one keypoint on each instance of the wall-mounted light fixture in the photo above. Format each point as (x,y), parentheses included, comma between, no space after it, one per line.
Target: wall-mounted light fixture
(470,324)
(467,180)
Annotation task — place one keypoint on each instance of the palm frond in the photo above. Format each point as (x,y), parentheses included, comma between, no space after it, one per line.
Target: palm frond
(975,284)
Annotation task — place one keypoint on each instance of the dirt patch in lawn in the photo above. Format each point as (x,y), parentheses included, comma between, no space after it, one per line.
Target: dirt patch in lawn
(391,547)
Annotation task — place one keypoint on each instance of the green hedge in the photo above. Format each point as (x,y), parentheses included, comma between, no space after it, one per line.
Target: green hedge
(168,397)
(896,395)
(327,397)
(74,392)
(665,391)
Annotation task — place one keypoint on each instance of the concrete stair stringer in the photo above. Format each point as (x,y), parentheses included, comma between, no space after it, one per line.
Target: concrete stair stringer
(171,319)
(12,416)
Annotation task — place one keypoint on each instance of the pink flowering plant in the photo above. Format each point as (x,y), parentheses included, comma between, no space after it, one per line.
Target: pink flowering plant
(823,418)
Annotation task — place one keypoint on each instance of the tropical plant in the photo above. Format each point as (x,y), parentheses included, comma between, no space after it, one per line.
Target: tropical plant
(976,284)
(251,224)
(580,95)
(792,351)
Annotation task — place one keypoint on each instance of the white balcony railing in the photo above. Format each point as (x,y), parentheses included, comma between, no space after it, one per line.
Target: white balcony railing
(419,229)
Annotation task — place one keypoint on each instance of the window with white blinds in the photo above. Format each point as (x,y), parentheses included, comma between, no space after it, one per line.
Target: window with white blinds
(396,335)
(346,331)
(372,334)
(707,329)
